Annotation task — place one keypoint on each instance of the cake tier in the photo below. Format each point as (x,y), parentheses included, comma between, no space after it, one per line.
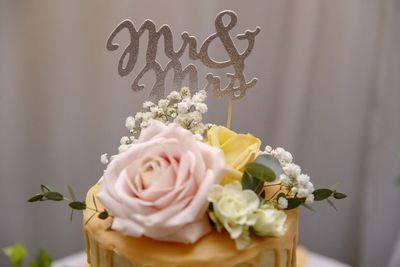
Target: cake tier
(108,248)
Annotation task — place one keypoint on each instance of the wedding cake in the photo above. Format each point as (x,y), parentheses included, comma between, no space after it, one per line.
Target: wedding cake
(186,193)
(181,192)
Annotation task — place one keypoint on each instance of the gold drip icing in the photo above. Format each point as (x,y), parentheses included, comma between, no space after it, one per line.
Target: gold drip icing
(87,245)
(294,251)
(288,256)
(214,249)
(97,253)
(108,257)
(277,254)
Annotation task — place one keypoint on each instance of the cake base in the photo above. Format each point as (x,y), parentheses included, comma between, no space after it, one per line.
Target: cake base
(108,248)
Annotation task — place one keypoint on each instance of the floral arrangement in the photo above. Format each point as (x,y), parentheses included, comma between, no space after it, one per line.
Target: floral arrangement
(175,178)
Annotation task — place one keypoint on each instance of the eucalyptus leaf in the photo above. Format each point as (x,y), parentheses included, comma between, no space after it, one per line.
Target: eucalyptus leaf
(77,205)
(261,172)
(16,254)
(294,203)
(35,198)
(339,195)
(55,196)
(270,162)
(321,194)
(252,183)
(103,215)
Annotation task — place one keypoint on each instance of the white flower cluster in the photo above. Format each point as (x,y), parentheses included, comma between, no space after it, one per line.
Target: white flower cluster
(178,107)
(238,210)
(298,183)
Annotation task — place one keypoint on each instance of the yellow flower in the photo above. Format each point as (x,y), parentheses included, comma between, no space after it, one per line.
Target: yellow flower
(239,149)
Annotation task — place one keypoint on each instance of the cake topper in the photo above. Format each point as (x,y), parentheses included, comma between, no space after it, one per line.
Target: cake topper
(237,84)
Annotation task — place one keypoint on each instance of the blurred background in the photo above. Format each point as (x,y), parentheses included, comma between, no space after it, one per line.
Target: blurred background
(328,91)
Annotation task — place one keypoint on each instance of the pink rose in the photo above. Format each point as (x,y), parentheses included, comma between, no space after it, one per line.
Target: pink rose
(158,188)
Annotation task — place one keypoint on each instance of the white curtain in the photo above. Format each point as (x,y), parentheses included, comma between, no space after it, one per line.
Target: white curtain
(328,91)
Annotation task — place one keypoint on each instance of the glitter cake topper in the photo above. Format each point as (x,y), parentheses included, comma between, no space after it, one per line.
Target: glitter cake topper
(237,85)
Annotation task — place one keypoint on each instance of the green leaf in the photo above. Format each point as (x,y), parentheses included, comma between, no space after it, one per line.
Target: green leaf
(103,215)
(43,259)
(71,193)
(270,162)
(260,172)
(55,196)
(35,198)
(252,183)
(16,254)
(321,194)
(77,205)
(331,203)
(338,195)
(294,203)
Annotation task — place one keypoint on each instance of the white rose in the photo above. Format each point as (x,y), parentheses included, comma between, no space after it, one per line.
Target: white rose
(270,222)
(234,208)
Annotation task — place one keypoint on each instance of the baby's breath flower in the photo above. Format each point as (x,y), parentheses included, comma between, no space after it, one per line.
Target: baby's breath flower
(147,116)
(148,104)
(123,148)
(292,169)
(157,112)
(171,112)
(174,95)
(199,96)
(185,92)
(303,192)
(130,123)
(163,103)
(201,107)
(124,140)
(196,117)
(139,116)
(268,149)
(144,124)
(282,203)
(282,155)
(104,158)
(310,199)
(303,179)
(284,179)
(183,107)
